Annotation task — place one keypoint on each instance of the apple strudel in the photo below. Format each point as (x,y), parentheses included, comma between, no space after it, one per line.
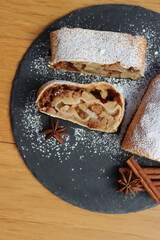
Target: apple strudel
(97,106)
(110,54)
(143,134)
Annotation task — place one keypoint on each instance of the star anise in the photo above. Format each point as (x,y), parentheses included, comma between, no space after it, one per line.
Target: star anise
(128,183)
(55,131)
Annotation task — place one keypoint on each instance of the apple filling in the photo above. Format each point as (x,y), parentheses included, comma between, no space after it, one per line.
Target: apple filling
(112,70)
(96,107)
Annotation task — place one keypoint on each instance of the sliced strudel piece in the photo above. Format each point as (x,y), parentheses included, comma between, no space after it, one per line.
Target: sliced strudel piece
(97,106)
(143,134)
(110,54)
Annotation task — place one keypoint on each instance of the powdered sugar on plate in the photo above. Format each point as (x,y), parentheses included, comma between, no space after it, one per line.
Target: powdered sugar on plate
(82,171)
(93,141)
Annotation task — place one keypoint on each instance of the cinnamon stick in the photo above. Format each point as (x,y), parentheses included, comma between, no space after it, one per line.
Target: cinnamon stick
(152,172)
(155,182)
(154,176)
(139,189)
(145,180)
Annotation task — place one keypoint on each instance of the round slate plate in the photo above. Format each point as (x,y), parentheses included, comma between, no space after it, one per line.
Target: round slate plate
(83,171)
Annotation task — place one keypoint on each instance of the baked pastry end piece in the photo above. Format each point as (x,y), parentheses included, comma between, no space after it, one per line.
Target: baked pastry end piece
(110,54)
(143,135)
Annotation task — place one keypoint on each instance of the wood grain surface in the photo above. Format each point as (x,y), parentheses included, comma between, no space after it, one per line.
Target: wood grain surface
(28,211)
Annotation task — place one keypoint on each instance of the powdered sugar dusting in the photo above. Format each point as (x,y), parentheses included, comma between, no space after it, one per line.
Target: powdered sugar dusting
(82,171)
(93,141)
(40,65)
(146,135)
(101,47)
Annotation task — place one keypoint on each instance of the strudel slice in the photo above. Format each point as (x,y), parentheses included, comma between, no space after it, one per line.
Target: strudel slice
(110,54)
(97,106)
(143,134)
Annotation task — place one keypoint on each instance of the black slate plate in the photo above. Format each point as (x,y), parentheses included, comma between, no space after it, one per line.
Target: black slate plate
(83,171)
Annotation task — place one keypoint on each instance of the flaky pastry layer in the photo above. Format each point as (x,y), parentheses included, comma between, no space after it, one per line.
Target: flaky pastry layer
(110,54)
(97,106)
(143,135)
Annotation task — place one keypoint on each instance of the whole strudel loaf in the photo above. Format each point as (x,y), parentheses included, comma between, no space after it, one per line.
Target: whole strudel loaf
(97,106)
(143,134)
(110,54)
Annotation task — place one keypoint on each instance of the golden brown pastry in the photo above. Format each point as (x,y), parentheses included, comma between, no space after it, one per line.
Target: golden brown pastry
(110,54)
(143,134)
(97,106)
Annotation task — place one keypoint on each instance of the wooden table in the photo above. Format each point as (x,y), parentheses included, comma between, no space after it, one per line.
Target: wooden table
(28,210)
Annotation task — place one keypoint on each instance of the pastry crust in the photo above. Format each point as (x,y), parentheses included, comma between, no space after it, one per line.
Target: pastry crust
(110,54)
(143,134)
(98,106)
